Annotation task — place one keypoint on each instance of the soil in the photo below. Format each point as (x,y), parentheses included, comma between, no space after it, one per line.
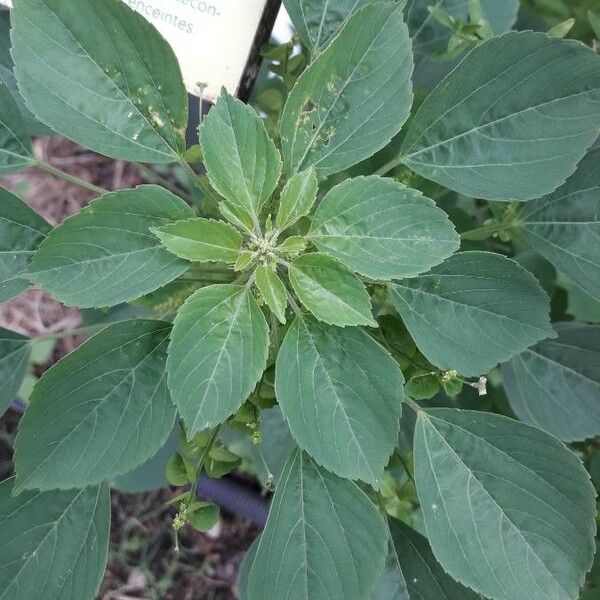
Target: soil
(142,563)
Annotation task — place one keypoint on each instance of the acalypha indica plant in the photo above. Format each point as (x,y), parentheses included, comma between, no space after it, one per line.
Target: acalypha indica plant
(360,300)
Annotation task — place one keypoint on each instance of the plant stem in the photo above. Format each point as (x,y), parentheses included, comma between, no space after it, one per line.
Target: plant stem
(209,278)
(199,182)
(388,166)
(152,176)
(412,404)
(274,331)
(293,303)
(193,490)
(203,456)
(58,335)
(399,456)
(44,166)
(487,230)
(270,477)
(406,356)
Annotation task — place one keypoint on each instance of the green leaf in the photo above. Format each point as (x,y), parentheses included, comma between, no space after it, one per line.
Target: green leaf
(382,229)
(452,387)
(244,260)
(100,74)
(509,511)
(21,230)
(54,544)
(430,39)
(203,515)
(413,573)
(276,444)
(241,159)
(201,240)
(594,20)
(422,386)
(341,394)
(217,354)
(354,97)
(220,461)
(562,29)
(473,311)
(15,145)
(564,227)
(500,15)
(272,290)
(318,22)
(267,458)
(14,357)
(237,217)
(442,17)
(293,245)
(112,256)
(176,471)
(32,126)
(324,539)
(581,305)
(556,384)
(511,121)
(247,562)
(330,291)
(297,198)
(150,475)
(99,412)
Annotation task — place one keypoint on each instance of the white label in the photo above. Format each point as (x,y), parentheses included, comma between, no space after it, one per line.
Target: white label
(212,39)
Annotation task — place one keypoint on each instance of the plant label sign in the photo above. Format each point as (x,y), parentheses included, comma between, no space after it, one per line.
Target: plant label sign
(216,41)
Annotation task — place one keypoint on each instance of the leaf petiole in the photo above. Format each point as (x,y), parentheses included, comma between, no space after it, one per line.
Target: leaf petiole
(413,404)
(90,187)
(70,332)
(481,233)
(389,166)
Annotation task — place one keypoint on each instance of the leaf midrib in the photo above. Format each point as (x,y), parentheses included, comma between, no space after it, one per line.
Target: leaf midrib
(50,530)
(471,475)
(334,392)
(564,367)
(479,127)
(132,104)
(98,402)
(334,103)
(471,306)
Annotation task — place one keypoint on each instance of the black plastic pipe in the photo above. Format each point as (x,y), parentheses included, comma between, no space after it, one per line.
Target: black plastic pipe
(234,497)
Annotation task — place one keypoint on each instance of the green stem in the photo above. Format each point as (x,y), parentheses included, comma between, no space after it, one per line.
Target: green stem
(70,332)
(481,233)
(388,166)
(44,166)
(406,356)
(209,267)
(293,303)
(203,456)
(274,332)
(209,278)
(153,177)
(399,456)
(270,486)
(200,182)
(194,488)
(412,404)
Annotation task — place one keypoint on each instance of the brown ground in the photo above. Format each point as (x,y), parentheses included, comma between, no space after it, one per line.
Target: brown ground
(142,561)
